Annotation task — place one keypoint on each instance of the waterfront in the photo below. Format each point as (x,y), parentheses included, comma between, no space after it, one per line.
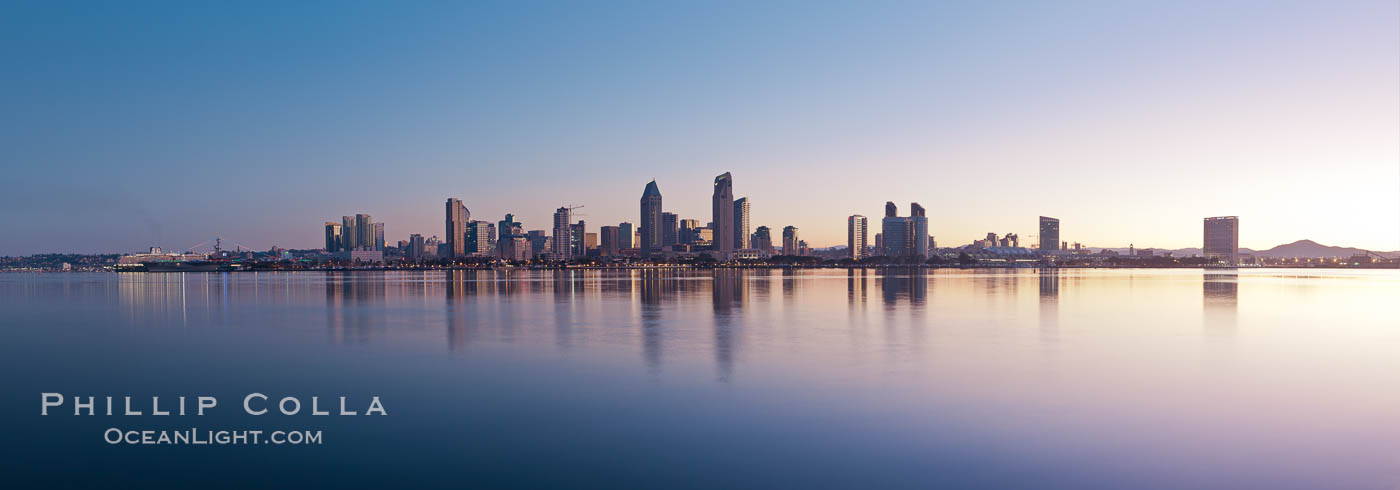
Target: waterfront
(727,378)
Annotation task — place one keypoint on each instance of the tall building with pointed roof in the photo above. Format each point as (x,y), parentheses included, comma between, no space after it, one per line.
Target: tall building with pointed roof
(722,205)
(652,240)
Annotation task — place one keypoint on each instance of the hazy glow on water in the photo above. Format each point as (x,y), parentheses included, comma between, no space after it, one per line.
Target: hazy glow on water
(866,379)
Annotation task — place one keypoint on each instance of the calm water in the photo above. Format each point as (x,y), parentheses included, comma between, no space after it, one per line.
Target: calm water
(725,379)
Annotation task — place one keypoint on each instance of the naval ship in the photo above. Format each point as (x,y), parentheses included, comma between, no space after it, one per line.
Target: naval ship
(156,261)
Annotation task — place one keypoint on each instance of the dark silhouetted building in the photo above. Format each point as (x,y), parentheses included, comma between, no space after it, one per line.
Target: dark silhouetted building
(457,218)
(791,244)
(1049,234)
(670,229)
(722,204)
(652,228)
(1222,239)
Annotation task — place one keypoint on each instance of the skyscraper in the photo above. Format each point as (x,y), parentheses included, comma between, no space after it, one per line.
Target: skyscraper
(577,234)
(688,233)
(416,247)
(722,204)
(763,239)
(608,237)
(333,236)
(897,234)
(348,236)
(624,235)
(741,223)
(918,230)
(478,238)
(1222,239)
(670,229)
(791,245)
(457,217)
(379,236)
(855,235)
(539,243)
(364,232)
(1049,234)
(508,227)
(652,234)
(561,247)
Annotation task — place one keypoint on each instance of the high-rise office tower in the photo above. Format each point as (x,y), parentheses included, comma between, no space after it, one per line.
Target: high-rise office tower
(416,247)
(515,247)
(741,223)
(791,245)
(855,235)
(1222,239)
(918,230)
(624,236)
(608,237)
(722,204)
(379,236)
(763,239)
(539,242)
(364,232)
(348,236)
(561,246)
(689,231)
(897,236)
(333,236)
(478,238)
(577,233)
(508,227)
(457,217)
(651,226)
(506,246)
(897,233)
(1049,234)
(670,230)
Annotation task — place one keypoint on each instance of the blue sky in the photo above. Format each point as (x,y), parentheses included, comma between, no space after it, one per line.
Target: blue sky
(131,125)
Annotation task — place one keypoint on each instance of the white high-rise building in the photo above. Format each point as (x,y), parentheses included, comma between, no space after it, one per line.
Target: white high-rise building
(856,228)
(561,247)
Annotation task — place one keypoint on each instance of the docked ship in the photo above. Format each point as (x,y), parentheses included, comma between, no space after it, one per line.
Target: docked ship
(158,261)
(181,266)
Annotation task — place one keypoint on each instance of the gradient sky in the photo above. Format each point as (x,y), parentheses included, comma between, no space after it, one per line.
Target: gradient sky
(131,124)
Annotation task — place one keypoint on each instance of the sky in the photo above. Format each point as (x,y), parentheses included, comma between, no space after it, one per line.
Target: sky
(134,124)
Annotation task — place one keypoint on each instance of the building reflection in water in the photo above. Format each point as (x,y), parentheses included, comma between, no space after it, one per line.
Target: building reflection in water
(656,286)
(459,295)
(568,292)
(354,305)
(900,285)
(790,285)
(727,295)
(903,284)
(1049,307)
(1220,301)
(856,292)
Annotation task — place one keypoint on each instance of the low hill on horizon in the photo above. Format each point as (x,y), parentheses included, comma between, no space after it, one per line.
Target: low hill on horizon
(1303,249)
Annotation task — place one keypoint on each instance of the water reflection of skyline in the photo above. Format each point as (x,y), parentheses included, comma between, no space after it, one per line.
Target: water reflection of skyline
(651,311)
(1153,362)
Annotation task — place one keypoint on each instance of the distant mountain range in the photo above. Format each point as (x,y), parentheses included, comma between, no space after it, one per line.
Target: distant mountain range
(1300,249)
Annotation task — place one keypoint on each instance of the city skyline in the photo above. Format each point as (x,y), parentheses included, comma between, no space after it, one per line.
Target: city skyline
(1128,125)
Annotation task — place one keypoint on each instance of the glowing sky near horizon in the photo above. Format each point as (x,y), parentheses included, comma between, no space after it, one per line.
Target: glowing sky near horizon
(132,125)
